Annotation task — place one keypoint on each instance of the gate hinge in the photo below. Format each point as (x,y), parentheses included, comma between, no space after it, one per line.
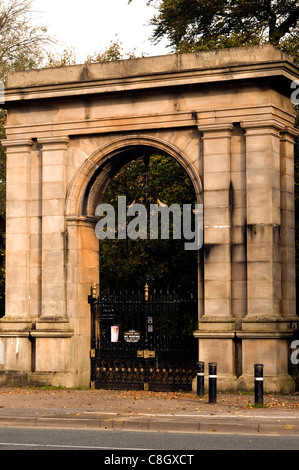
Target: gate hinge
(92,353)
(146,354)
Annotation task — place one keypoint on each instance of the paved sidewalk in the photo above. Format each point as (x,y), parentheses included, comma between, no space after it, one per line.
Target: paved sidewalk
(148,411)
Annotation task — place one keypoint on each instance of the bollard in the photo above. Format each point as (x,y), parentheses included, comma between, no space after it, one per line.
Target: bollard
(212,382)
(259,382)
(200,379)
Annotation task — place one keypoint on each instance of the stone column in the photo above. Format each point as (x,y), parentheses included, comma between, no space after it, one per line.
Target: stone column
(287,231)
(263,221)
(82,273)
(54,186)
(52,330)
(15,324)
(238,209)
(264,331)
(216,326)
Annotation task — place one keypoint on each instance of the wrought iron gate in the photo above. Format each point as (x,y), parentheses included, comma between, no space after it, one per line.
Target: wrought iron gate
(143,342)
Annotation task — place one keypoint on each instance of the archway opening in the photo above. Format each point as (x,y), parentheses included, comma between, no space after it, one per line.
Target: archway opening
(159,259)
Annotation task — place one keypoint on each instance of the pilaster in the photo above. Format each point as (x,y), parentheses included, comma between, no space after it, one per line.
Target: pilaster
(82,272)
(217,227)
(53,193)
(263,210)
(287,231)
(18,154)
(265,330)
(217,324)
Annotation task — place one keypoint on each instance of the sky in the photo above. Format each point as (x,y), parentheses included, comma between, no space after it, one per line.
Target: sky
(88,26)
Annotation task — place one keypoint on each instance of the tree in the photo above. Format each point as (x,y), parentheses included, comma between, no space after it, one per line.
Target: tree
(66,58)
(194,25)
(128,264)
(22,44)
(113,52)
(209,24)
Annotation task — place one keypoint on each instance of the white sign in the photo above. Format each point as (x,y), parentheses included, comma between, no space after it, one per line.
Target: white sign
(132,336)
(114,334)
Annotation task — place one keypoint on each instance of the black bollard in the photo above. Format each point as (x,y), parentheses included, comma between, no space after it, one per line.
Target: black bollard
(200,379)
(259,384)
(212,382)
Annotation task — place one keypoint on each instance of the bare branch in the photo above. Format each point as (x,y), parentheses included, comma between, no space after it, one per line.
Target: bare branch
(22,43)
(290,22)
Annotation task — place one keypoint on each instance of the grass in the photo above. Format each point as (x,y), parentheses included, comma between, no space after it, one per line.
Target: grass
(257,405)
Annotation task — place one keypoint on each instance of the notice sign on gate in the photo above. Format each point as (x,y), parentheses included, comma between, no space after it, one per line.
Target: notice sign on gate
(132,336)
(114,334)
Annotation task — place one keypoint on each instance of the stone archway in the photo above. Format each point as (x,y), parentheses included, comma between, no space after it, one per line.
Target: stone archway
(227,117)
(84,195)
(103,162)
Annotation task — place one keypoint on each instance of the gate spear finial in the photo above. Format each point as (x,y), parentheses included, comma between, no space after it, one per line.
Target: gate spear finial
(146,291)
(94,291)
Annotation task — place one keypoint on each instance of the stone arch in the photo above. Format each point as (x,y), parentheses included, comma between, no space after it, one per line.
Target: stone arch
(215,114)
(83,195)
(92,178)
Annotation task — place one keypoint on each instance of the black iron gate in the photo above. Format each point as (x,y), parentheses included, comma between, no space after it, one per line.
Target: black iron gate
(143,342)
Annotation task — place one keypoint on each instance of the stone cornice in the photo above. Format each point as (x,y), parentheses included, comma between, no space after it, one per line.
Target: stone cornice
(81,89)
(12,144)
(201,118)
(150,73)
(259,124)
(53,140)
(291,131)
(264,334)
(264,127)
(54,143)
(81,220)
(216,130)
(51,334)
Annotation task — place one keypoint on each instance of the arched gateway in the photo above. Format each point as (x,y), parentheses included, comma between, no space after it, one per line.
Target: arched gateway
(227,118)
